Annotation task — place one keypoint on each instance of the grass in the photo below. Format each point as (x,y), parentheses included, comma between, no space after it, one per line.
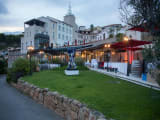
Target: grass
(113,97)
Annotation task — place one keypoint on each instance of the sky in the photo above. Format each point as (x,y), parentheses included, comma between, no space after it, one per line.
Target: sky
(13,13)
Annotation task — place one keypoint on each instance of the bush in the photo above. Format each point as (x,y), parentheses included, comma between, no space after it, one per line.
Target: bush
(19,68)
(158,78)
(34,65)
(3,66)
(59,61)
(21,65)
(79,61)
(111,36)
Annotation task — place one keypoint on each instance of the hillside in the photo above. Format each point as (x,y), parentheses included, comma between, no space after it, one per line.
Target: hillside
(9,41)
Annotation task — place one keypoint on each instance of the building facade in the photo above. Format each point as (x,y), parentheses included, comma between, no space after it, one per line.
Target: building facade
(50,31)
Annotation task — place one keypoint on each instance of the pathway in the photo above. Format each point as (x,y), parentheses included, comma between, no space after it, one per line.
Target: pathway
(16,106)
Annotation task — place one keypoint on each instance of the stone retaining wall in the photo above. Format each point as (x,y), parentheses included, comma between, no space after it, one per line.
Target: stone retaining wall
(68,108)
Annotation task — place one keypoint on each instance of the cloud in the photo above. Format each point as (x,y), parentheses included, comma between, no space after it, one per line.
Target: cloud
(86,11)
(3,9)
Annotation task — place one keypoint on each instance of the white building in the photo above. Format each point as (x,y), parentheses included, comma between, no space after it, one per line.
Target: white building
(49,32)
(109,30)
(138,33)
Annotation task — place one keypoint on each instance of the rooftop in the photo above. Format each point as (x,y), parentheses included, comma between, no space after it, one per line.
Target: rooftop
(35,22)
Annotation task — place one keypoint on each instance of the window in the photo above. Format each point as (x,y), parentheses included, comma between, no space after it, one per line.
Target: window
(53,35)
(59,36)
(67,38)
(53,26)
(66,30)
(22,45)
(30,43)
(63,37)
(59,28)
(26,45)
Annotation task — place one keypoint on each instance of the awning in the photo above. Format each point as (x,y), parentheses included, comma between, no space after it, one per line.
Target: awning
(132,48)
(129,43)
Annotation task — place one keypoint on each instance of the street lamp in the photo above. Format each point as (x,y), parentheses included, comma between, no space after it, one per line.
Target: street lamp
(41,52)
(30,49)
(126,39)
(107,45)
(108,54)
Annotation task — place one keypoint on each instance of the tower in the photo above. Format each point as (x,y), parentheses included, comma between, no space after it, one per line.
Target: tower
(69,18)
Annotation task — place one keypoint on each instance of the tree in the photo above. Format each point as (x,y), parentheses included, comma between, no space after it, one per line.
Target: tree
(92,27)
(120,37)
(9,41)
(144,13)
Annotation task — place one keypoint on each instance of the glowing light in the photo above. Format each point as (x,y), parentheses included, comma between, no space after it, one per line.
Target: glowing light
(107,45)
(126,38)
(113,53)
(30,48)
(41,52)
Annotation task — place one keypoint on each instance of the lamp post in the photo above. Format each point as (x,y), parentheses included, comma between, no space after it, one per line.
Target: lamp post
(41,52)
(126,39)
(108,55)
(30,49)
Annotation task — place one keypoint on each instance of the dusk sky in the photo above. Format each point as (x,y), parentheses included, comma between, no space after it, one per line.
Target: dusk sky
(13,13)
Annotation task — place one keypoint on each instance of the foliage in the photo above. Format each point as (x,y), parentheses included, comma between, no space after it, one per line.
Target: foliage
(3,66)
(9,41)
(79,61)
(20,67)
(59,61)
(100,92)
(157,48)
(119,37)
(91,27)
(141,13)
(148,54)
(158,78)
(34,64)
(111,36)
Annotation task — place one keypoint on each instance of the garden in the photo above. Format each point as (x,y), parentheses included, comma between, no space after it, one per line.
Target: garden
(113,97)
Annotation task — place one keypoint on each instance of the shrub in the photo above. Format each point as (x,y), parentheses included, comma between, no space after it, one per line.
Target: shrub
(13,76)
(59,61)
(79,61)
(111,36)
(19,68)
(34,65)
(3,66)
(21,65)
(158,78)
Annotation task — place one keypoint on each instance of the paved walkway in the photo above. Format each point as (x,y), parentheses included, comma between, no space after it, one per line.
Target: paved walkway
(132,79)
(16,106)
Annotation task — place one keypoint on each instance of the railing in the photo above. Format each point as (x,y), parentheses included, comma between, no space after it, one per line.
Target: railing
(122,67)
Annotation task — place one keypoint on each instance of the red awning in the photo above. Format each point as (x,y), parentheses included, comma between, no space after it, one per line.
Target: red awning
(132,48)
(130,43)
(140,29)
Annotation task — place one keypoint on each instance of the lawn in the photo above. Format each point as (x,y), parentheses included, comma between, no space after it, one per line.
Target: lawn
(113,97)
